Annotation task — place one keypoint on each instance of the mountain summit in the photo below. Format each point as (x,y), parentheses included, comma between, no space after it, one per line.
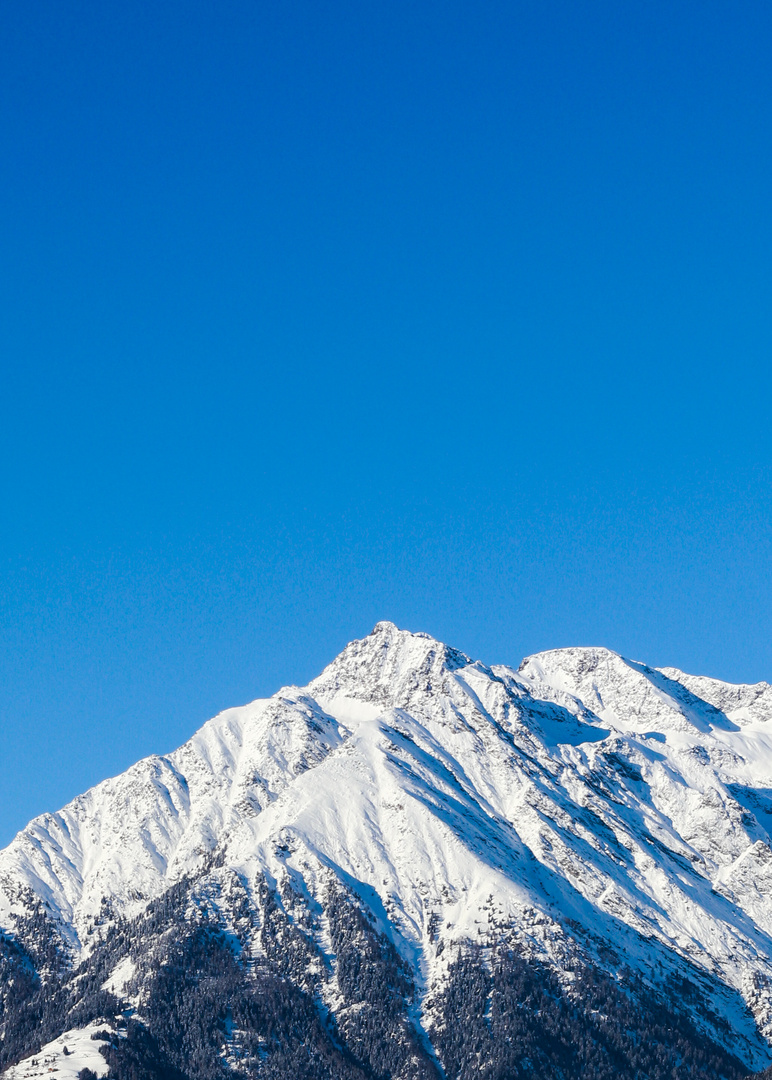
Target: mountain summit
(573,858)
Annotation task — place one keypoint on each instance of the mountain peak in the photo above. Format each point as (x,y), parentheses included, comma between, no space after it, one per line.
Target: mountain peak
(586,806)
(388,667)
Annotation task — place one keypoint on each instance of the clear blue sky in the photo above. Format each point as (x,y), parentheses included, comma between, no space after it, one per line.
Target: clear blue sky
(455,314)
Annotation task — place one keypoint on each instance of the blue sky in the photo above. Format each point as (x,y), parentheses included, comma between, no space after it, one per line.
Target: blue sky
(312,315)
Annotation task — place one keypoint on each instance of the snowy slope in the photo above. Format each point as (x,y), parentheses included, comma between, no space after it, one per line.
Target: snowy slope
(63,1058)
(582,796)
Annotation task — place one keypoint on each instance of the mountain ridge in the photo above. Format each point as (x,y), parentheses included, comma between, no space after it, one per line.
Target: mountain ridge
(582,809)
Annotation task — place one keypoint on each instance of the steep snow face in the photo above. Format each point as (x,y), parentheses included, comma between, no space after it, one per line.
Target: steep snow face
(581,795)
(129,838)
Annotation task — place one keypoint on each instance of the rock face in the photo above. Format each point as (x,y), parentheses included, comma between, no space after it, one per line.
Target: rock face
(416,866)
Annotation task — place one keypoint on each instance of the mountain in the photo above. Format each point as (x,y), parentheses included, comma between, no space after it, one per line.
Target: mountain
(416,866)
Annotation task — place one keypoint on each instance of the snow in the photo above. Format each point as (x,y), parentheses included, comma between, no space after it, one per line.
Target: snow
(121,975)
(635,801)
(52,1063)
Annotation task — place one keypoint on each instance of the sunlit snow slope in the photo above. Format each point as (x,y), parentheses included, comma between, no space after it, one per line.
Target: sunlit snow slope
(580,798)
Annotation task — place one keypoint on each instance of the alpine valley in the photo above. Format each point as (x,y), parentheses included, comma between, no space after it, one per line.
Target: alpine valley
(415,867)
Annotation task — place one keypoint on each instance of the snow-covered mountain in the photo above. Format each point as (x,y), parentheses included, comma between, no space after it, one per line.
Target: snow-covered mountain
(435,818)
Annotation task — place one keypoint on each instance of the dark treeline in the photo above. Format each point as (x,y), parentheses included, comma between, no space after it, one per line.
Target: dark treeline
(513,1018)
(256,997)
